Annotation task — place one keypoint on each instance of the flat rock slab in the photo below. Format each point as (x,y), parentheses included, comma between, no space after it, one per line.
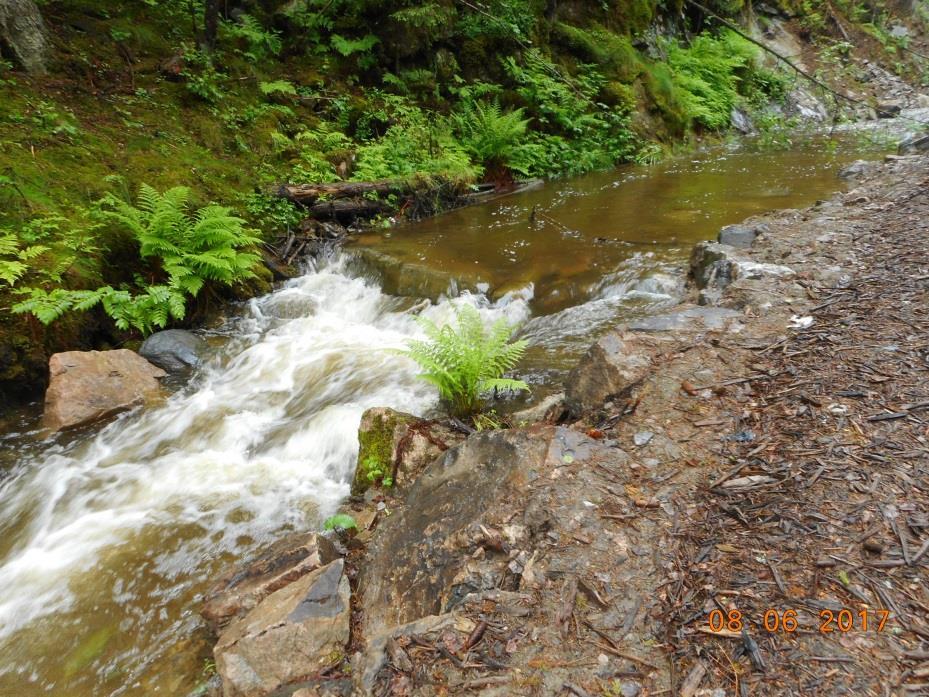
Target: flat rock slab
(294,632)
(697,318)
(417,564)
(87,386)
(279,565)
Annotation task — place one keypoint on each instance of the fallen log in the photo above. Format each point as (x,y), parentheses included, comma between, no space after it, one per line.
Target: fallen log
(347,210)
(309,194)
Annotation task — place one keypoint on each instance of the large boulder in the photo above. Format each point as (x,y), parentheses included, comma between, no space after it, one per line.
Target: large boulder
(22,33)
(173,350)
(397,446)
(612,367)
(87,386)
(277,566)
(294,632)
(468,521)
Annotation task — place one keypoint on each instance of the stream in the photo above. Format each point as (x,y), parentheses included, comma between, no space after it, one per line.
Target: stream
(108,540)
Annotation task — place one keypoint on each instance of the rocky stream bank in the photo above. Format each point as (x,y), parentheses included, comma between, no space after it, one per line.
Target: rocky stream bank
(761,449)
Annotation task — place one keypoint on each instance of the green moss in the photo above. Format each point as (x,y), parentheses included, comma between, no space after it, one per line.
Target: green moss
(614,54)
(376,445)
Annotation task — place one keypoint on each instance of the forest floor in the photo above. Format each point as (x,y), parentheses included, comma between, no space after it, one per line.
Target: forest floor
(753,520)
(834,525)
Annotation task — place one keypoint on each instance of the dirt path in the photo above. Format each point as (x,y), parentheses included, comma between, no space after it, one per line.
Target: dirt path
(832,529)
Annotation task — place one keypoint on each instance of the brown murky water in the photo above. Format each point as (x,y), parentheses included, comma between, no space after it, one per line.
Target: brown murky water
(586,228)
(107,541)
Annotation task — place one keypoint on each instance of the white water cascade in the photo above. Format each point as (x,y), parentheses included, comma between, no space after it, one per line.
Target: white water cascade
(112,537)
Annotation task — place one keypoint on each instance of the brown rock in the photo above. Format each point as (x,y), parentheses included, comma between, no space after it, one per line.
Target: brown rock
(294,632)
(611,368)
(87,386)
(279,565)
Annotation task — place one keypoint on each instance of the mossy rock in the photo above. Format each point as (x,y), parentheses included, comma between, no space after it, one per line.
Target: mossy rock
(379,434)
(395,448)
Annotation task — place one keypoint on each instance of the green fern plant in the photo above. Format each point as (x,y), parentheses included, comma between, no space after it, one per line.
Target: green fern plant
(469,361)
(493,137)
(209,245)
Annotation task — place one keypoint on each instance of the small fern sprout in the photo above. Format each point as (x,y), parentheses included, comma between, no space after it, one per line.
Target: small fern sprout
(469,361)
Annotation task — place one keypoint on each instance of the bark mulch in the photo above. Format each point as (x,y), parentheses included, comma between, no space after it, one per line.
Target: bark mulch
(811,553)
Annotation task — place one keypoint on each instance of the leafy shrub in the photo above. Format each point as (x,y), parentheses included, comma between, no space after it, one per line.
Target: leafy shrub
(467,362)
(493,137)
(340,521)
(415,143)
(277,87)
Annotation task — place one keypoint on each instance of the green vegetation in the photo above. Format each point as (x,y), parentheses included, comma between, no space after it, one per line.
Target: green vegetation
(185,252)
(340,521)
(469,361)
(228,100)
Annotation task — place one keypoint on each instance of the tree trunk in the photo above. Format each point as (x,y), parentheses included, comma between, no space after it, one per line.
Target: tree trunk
(22,34)
(210,23)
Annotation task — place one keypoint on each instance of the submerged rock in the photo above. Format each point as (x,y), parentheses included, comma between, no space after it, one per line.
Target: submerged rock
(173,350)
(87,386)
(856,169)
(610,368)
(294,632)
(395,445)
(685,319)
(279,565)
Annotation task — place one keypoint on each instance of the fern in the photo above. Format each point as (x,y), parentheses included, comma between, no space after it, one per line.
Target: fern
(467,362)
(492,136)
(347,47)
(277,87)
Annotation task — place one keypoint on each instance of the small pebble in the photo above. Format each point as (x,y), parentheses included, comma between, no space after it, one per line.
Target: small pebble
(642,437)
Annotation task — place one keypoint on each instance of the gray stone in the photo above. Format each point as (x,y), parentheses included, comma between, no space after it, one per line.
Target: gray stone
(889,109)
(173,350)
(88,386)
(296,631)
(739,236)
(913,144)
(612,367)
(23,34)
(740,121)
(856,169)
(277,566)
(548,411)
(642,438)
(629,688)
(711,264)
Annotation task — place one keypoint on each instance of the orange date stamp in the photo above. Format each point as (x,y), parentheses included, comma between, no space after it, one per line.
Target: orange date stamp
(787,621)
